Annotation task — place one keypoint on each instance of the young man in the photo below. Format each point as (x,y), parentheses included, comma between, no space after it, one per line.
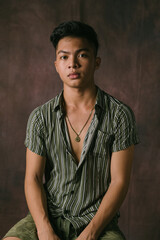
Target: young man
(83,141)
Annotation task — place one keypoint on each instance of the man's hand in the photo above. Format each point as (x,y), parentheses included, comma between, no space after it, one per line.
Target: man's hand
(88,234)
(47,235)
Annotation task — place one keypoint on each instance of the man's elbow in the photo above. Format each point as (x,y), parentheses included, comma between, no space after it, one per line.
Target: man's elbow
(32,181)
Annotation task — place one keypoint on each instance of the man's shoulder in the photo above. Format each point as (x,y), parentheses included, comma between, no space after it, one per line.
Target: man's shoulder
(47,107)
(111,100)
(113,104)
(52,103)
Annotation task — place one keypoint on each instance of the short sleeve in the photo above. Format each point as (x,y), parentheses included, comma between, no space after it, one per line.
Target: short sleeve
(125,131)
(35,137)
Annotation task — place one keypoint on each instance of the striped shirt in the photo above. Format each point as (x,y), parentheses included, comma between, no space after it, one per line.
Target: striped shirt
(75,190)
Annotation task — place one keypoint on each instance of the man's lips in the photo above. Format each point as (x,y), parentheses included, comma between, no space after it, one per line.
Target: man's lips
(73,75)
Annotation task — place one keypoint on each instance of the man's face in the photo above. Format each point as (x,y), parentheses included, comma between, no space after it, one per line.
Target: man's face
(76,62)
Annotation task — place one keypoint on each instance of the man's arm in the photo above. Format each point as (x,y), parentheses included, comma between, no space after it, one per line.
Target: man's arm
(121,163)
(35,195)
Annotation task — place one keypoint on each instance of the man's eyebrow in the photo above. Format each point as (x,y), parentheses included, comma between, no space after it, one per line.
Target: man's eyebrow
(62,51)
(79,50)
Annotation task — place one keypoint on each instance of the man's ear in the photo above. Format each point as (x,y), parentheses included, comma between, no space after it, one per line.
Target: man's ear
(98,62)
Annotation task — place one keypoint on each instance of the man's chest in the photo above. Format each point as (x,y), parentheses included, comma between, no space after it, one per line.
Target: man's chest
(77,140)
(61,142)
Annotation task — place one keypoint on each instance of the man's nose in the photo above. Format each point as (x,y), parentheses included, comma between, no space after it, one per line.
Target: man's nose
(73,63)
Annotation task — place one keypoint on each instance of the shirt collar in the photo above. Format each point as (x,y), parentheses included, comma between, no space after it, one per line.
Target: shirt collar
(99,100)
(58,105)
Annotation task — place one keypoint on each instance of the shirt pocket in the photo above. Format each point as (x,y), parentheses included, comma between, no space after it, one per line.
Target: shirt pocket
(102,144)
(101,157)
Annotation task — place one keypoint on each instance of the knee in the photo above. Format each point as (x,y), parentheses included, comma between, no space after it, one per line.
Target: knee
(112,235)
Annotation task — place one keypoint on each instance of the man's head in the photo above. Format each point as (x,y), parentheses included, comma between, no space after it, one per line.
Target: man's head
(75,29)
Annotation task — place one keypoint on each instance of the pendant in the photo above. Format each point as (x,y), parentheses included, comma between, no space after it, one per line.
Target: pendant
(77,139)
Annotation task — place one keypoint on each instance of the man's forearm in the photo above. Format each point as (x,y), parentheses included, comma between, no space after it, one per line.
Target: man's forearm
(36,197)
(110,204)
(37,204)
(121,163)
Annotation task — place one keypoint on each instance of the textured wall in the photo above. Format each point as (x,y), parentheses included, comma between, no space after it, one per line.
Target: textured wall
(129,33)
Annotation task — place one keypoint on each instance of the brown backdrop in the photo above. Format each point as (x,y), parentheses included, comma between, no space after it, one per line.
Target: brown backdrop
(129,33)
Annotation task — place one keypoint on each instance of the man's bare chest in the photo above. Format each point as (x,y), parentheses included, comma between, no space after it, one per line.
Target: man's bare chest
(78,126)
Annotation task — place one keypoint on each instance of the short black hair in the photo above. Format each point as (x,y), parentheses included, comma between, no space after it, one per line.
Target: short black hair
(74,29)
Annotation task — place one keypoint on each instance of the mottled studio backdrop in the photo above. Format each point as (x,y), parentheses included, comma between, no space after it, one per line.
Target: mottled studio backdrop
(129,34)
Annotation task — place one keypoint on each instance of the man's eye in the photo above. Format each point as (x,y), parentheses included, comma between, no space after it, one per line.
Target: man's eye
(82,55)
(63,57)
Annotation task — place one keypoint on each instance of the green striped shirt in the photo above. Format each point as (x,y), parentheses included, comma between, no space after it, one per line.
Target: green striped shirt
(75,190)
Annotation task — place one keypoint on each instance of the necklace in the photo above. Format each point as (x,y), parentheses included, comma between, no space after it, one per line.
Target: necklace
(78,139)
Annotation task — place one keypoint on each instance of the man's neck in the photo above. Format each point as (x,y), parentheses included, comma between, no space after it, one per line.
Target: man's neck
(80,98)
